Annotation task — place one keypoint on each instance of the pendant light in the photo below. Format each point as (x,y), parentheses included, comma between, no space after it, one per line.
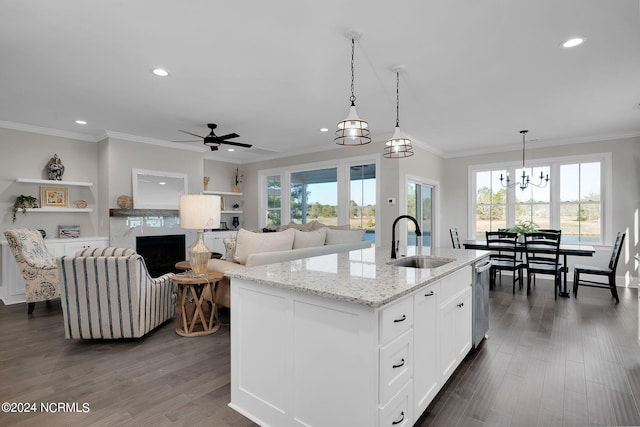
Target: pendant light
(398,146)
(525,180)
(352,130)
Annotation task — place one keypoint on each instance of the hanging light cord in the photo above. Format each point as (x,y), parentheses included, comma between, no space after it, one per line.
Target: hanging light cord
(397,99)
(353,96)
(524,133)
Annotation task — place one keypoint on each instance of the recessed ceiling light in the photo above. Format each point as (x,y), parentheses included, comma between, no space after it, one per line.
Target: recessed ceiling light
(231,149)
(160,72)
(573,42)
(81,122)
(324,130)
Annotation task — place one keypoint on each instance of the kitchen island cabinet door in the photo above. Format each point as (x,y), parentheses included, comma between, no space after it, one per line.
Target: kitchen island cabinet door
(455,331)
(426,372)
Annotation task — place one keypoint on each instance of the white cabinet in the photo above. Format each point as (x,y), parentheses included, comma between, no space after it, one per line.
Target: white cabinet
(426,372)
(12,288)
(454,323)
(371,366)
(215,240)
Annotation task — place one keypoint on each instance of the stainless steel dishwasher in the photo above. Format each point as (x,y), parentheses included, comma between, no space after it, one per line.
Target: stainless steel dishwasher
(481,281)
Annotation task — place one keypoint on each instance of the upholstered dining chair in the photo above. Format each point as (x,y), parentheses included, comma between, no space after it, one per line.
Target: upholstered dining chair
(543,257)
(107,293)
(504,255)
(37,266)
(609,271)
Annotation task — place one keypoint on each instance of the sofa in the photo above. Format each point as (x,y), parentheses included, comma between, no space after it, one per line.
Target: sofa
(285,243)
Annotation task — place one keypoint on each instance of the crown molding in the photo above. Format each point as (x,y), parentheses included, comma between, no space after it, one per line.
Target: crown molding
(47,131)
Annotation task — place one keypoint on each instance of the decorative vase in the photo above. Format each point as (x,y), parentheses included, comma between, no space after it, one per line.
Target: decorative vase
(236,189)
(236,222)
(205,182)
(55,168)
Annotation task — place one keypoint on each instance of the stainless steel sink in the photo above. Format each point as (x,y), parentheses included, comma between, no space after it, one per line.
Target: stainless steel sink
(422,262)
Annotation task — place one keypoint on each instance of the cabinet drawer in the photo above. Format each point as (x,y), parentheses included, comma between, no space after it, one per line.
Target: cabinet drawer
(395,320)
(397,413)
(454,283)
(396,366)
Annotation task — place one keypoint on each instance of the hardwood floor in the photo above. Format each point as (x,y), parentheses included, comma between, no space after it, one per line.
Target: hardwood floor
(547,363)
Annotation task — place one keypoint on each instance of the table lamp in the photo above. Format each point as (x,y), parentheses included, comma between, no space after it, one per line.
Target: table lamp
(199,211)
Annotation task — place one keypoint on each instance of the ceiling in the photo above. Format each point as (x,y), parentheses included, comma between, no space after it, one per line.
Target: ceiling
(275,72)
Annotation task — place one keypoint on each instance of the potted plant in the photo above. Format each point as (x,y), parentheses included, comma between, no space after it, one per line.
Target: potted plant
(23,203)
(523,227)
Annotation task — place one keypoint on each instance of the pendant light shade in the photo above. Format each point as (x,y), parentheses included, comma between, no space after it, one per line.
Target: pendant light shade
(398,146)
(352,130)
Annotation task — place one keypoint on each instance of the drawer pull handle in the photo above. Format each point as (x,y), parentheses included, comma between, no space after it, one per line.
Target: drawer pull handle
(399,364)
(461,304)
(429,294)
(402,319)
(400,420)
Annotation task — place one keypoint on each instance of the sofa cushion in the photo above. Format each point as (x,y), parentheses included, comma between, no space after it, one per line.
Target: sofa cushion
(309,239)
(335,237)
(251,243)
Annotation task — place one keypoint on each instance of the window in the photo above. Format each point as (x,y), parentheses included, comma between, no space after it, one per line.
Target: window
(422,211)
(339,192)
(362,199)
(572,201)
(274,206)
(580,208)
(314,196)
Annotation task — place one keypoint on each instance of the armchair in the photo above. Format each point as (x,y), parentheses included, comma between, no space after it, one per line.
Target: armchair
(37,266)
(107,293)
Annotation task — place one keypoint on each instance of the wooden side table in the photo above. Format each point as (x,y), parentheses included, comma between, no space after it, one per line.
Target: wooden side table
(196,303)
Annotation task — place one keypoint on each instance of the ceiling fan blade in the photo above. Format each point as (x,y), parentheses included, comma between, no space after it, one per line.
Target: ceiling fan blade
(228,136)
(193,134)
(238,144)
(190,140)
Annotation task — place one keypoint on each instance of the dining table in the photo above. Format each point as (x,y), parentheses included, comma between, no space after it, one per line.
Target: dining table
(564,250)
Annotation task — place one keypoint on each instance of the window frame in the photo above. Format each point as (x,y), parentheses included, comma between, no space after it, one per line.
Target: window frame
(554,163)
(342,166)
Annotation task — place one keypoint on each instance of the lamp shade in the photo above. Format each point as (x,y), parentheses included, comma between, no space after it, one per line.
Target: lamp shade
(199,211)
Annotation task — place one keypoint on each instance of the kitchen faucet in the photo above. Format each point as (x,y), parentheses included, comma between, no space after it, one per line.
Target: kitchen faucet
(393,232)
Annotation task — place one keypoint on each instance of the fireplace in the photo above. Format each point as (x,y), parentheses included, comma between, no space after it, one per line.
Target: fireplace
(161,253)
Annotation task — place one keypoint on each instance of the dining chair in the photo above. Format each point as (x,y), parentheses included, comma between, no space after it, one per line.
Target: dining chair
(543,257)
(609,272)
(455,239)
(504,255)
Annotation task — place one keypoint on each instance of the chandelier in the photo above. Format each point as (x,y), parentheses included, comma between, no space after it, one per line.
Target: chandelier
(525,181)
(398,146)
(352,130)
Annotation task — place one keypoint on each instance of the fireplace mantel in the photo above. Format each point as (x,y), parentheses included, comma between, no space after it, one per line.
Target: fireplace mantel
(143,212)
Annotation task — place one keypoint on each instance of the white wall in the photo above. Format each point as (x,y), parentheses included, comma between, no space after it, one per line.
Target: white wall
(626,193)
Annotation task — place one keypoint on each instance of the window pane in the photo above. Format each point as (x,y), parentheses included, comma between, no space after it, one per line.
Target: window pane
(569,183)
(273,192)
(315,194)
(273,217)
(362,193)
(426,223)
(569,223)
(590,182)
(589,217)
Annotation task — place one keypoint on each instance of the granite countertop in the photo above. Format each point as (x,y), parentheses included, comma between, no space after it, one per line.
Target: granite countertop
(361,276)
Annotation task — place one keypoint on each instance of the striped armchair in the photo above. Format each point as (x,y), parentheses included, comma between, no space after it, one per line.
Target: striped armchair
(107,293)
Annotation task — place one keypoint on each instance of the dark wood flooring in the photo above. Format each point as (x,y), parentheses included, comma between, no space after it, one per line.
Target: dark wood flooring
(547,363)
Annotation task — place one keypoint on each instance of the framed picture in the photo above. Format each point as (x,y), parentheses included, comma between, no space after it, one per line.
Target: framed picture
(223,225)
(68,231)
(54,197)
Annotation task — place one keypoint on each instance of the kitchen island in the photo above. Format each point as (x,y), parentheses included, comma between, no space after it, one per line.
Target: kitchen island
(348,339)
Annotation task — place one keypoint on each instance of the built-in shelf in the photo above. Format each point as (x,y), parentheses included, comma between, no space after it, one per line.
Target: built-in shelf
(53,210)
(222,193)
(52,182)
(231,212)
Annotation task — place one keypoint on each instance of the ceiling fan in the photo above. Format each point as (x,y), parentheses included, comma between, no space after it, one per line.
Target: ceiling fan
(214,141)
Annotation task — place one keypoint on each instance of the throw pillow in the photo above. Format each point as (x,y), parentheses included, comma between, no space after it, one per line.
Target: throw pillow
(340,227)
(230,248)
(309,239)
(335,237)
(252,243)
